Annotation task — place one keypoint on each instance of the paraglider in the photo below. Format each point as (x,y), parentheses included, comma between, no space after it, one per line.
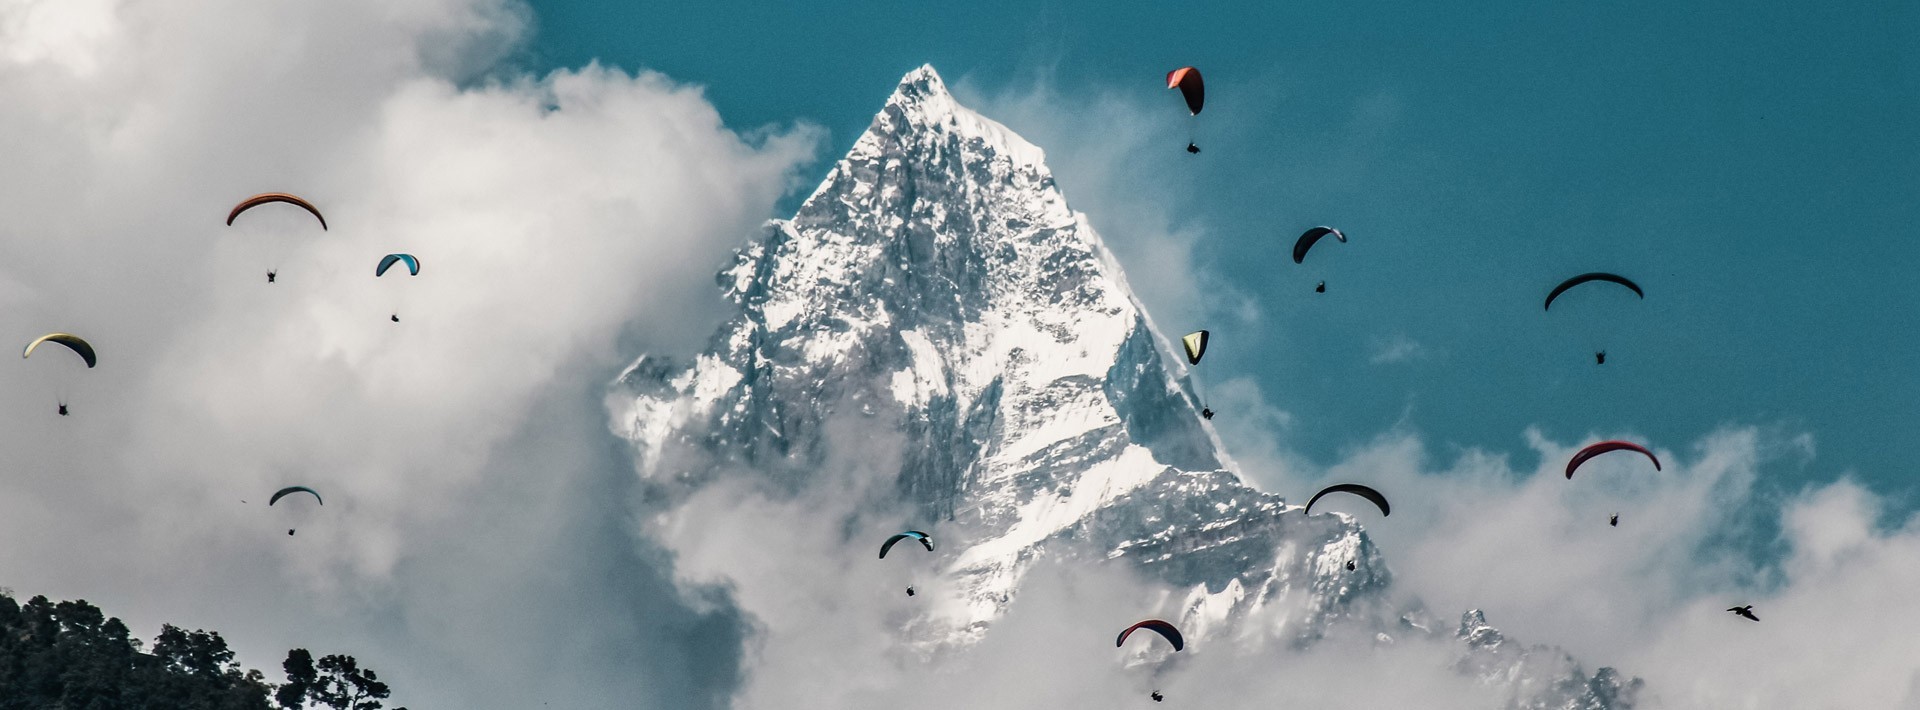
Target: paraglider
(1606,446)
(1581,279)
(1195,343)
(266,198)
(387,262)
(1746,611)
(1599,356)
(1187,80)
(1196,346)
(72,342)
(272,197)
(1349,565)
(925,541)
(1309,238)
(1370,494)
(915,535)
(1166,630)
(289,490)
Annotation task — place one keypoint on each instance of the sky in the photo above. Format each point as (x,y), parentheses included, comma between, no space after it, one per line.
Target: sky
(572,174)
(1749,164)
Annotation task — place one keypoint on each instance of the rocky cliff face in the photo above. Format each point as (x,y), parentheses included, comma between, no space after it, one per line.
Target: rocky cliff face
(936,287)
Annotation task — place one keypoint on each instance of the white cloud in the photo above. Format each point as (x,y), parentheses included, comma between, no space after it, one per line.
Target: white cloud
(1396,349)
(472,532)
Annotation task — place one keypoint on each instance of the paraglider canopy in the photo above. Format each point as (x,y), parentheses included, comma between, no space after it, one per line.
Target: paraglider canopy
(270,197)
(1572,282)
(1157,626)
(1196,345)
(924,540)
(73,342)
(1311,236)
(1370,494)
(1604,447)
(1187,80)
(284,492)
(413,265)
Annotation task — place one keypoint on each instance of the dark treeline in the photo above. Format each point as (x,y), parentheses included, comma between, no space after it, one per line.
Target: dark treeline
(71,656)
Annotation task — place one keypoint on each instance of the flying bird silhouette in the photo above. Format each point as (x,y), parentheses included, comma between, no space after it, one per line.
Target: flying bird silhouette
(1746,611)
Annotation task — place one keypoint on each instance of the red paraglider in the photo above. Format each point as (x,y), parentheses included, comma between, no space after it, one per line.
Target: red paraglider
(1161,627)
(1607,446)
(1187,80)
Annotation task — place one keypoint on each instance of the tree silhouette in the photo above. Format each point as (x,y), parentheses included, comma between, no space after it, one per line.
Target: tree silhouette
(337,682)
(71,655)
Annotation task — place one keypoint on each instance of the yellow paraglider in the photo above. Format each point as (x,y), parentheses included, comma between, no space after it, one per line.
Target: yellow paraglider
(79,346)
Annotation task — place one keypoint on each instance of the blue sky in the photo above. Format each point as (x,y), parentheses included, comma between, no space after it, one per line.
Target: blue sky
(1752,165)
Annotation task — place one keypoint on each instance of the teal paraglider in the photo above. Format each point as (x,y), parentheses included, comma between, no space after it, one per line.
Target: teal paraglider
(413,264)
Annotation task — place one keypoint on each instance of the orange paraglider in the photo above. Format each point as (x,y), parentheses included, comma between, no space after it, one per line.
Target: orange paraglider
(269,197)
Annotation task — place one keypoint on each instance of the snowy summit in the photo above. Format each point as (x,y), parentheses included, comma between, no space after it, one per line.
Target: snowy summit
(938,287)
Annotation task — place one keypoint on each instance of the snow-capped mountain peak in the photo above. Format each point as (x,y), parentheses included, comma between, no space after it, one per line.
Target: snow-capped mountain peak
(937,285)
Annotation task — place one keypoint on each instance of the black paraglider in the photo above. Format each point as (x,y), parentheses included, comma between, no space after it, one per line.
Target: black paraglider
(63,410)
(1191,148)
(1321,288)
(1157,697)
(1600,357)
(1590,277)
(396,317)
(1614,521)
(1349,565)
(925,541)
(270,276)
(909,591)
(1206,413)
(1310,237)
(1372,496)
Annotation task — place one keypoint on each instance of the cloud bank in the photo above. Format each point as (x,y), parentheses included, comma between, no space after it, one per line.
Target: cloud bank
(473,547)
